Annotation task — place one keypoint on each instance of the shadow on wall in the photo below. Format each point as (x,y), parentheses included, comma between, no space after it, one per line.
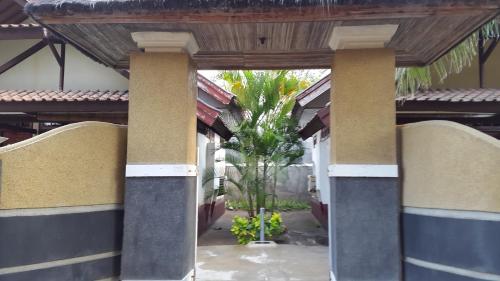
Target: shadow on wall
(451,202)
(61,201)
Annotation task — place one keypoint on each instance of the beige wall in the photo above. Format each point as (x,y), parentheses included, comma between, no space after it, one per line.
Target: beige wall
(446,165)
(363,114)
(469,77)
(41,70)
(75,165)
(162,109)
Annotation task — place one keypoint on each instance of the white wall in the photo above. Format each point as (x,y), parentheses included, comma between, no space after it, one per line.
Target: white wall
(202,164)
(41,70)
(321,160)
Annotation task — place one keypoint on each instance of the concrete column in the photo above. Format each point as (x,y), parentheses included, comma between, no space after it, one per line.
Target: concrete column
(364,196)
(160,196)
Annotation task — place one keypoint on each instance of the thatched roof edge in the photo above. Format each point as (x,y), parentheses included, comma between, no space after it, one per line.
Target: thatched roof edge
(67,7)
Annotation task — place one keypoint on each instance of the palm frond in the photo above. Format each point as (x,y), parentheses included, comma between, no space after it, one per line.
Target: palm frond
(412,79)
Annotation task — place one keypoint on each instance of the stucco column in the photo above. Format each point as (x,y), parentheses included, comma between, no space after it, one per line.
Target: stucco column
(364,195)
(160,195)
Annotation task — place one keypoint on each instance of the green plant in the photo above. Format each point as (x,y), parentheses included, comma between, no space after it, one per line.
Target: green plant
(247,230)
(265,139)
(411,79)
(281,205)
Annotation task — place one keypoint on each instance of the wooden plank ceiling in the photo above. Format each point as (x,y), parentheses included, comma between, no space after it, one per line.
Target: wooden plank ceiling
(241,41)
(11,11)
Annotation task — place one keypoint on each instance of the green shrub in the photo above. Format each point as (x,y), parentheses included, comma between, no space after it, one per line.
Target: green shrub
(282,205)
(248,229)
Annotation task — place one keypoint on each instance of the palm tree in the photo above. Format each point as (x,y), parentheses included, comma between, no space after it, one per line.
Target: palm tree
(267,134)
(410,80)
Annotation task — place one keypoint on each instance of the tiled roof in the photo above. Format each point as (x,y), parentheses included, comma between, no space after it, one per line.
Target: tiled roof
(215,91)
(456,95)
(430,100)
(61,96)
(314,87)
(448,95)
(209,116)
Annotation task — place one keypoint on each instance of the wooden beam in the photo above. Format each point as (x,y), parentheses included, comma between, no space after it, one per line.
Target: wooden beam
(21,57)
(54,51)
(490,49)
(17,128)
(20,32)
(115,117)
(62,66)
(16,117)
(480,50)
(123,72)
(257,14)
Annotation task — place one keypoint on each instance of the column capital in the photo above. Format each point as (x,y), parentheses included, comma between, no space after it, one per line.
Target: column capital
(169,42)
(161,170)
(361,37)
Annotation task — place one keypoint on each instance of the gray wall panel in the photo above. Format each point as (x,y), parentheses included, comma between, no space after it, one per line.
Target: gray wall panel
(417,273)
(463,243)
(160,228)
(86,271)
(34,239)
(364,220)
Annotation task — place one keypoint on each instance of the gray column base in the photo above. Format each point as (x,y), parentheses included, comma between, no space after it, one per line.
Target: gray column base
(364,229)
(159,228)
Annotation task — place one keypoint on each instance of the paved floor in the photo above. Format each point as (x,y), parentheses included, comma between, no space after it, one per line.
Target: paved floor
(303,229)
(282,263)
(302,254)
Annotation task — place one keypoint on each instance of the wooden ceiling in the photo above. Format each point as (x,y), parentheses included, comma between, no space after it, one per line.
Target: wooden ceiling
(273,38)
(11,11)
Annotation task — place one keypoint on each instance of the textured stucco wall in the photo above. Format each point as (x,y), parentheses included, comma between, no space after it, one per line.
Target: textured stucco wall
(446,165)
(162,109)
(363,113)
(41,71)
(74,165)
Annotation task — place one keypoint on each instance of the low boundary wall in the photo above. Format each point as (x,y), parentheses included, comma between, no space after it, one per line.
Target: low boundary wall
(61,195)
(451,202)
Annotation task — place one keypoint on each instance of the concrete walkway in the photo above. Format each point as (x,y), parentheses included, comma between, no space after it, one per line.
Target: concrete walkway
(303,230)
(281,263)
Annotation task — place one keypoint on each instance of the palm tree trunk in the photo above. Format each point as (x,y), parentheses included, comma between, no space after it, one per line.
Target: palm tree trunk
(256,183)
(275,181)
(251,213)
(264,183)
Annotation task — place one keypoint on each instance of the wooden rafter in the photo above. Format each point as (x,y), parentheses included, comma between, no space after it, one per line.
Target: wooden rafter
(484,53)
(22,56)
(60,58)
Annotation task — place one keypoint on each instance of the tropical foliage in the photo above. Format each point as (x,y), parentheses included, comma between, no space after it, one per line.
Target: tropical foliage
(281,205)
(265,140)
(411,79)
(248,229)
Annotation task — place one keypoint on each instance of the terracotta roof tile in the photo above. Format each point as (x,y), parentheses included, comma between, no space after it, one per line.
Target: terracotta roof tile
(456,95)
(208,115)
(62,96)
